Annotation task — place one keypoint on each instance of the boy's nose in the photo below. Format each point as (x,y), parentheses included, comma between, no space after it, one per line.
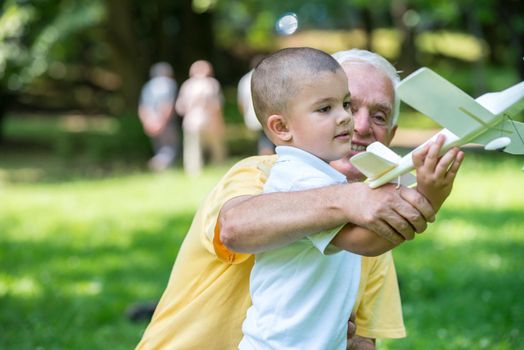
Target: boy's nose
(345,117)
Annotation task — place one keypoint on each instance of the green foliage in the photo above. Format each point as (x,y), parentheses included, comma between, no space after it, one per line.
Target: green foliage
(33,33)
(83,138)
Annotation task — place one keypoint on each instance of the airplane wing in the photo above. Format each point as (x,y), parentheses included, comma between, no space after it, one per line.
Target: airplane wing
(509,101)
(436,97)
(372,165)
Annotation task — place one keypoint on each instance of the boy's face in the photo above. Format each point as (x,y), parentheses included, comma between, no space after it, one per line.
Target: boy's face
(319,116)
(372,98)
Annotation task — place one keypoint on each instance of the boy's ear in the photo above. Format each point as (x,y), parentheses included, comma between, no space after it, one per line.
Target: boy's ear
(278,126)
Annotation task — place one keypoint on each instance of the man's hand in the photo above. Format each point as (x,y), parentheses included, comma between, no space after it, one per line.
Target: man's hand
(352,329)
(356,342)
(393,213)
(361,343)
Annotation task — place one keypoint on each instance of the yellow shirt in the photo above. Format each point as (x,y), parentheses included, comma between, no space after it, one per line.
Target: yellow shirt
(207,295)
(378,307)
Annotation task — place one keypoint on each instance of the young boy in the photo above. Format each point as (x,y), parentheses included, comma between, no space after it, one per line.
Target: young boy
(303,293)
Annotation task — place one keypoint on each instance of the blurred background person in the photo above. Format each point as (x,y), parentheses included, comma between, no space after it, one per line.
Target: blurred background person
(156,110)
(200,104)
(245,106)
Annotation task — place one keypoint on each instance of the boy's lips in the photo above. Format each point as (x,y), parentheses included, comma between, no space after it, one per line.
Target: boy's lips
(345,135)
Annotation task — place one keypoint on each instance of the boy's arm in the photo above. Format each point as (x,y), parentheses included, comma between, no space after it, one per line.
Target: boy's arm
(362,241)
(435,176)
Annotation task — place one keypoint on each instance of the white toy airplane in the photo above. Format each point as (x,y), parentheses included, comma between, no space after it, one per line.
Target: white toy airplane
(486,120)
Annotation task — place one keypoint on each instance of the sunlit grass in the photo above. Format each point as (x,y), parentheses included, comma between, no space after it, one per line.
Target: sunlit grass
(462,280)
(76,254)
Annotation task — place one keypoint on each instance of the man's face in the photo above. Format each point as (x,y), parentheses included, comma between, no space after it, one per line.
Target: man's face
(372,99)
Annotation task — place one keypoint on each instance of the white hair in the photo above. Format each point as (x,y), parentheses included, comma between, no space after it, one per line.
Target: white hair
(378,62)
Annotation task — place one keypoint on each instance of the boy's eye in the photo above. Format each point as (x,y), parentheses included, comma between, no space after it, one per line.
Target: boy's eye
(347,105)
(324,109)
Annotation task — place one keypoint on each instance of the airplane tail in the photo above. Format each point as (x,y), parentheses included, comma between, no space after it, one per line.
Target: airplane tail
(507,128)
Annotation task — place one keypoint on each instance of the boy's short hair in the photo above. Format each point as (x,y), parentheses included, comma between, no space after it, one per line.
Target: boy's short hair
(278,78)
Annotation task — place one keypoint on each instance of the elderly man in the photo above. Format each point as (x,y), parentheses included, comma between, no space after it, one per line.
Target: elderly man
(207,295)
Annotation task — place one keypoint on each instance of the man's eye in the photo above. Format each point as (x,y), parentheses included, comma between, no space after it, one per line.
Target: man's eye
(380,119)
(324,109)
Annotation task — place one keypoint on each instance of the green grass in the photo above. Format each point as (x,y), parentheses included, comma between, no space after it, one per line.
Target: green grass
(462,281)
(75,254)
(78,247)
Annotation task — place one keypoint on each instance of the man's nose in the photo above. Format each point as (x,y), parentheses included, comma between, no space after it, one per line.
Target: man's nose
(362,124)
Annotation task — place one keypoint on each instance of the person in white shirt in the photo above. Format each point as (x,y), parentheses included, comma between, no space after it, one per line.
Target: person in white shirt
(245,106)
(200,104)
(303,292)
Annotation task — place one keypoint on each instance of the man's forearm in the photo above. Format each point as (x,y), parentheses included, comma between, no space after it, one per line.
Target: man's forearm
(257,223)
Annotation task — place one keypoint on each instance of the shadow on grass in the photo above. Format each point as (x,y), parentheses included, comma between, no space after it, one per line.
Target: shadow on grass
(64,294)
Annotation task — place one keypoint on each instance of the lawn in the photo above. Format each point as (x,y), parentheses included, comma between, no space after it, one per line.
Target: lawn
(78,247)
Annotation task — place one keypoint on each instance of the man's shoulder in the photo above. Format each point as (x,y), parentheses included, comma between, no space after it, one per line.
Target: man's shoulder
(264,163)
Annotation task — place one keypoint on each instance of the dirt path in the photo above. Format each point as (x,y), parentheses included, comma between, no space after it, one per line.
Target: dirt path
(411,138)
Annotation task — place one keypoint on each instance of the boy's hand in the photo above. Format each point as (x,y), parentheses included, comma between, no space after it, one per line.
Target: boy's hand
(435,176)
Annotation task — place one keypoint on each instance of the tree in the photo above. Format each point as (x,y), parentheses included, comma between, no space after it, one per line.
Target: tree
(29,33)
(101,46)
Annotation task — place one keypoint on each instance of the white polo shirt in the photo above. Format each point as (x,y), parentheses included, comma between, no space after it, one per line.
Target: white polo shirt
(302,293)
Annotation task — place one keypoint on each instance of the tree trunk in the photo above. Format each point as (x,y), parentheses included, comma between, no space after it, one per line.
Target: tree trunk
(511,13)
(368,27)
(190,38)
(196,39)
(5,101)
(122,38)
(407,60)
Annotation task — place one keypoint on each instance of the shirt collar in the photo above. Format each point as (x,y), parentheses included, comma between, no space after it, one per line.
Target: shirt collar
(311,160)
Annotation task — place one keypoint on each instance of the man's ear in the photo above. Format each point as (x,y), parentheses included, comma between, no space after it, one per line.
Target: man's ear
(391,133)
(278,126)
